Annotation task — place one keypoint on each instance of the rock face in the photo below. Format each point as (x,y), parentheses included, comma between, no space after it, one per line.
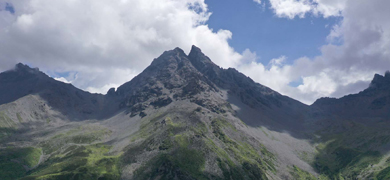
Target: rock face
(111,92)
(272,107)
(169,77)
(184,117)
(195,77)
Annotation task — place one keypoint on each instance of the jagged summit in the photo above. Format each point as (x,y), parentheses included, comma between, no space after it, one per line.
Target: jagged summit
(203,63)
(380,81)
(387,74)
(195,49)
(196,55)
(177,55)
(165,58)
(170,77)
(111,92)
(26,68)
(21,72)
(175,76)
(21,81)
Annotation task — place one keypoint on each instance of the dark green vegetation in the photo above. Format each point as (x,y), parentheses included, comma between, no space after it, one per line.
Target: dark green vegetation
(181,163)
(352,154)
(5,132)
(384,174)
(15,162)
(69,157)
(253,164)
(298,173)
(79,162)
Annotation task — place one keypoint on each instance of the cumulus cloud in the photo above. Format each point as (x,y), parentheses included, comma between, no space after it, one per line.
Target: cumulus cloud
(106,42)
(290,8)
(299,8)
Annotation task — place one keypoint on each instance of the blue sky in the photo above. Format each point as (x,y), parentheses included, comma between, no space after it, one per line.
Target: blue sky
(256,27)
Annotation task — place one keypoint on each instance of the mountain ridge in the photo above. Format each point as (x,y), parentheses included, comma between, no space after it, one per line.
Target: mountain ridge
(23,80)
(373,101)
(185,117)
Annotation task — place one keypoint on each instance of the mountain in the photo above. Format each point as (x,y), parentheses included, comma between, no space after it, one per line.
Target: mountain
(193,76)
(184,117)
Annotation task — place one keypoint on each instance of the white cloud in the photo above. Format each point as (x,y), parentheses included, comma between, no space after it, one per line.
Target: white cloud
(62,79)
(257,1)
(318,85)
(292,8)
(329,7)
(248,56)
(275,75)
(278,61)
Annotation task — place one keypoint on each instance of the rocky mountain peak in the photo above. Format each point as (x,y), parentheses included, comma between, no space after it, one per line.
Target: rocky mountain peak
(174,56)
(22,72)
(200,60)
(387,74)
(162,69)
(195,51)
(111,92)
(380,81)
(25,69)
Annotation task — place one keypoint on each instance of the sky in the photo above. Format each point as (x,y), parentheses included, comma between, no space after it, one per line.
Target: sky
(305,49)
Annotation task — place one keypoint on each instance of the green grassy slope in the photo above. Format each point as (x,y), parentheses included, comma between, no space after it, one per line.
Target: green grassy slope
(15,162)
(353,153)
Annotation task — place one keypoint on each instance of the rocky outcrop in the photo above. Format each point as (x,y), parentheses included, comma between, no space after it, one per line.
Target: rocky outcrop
(381,82)
(111,92)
